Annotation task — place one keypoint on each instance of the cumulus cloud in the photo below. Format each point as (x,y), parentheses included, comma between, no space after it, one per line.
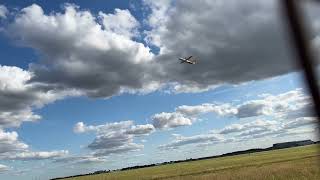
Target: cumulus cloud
(3,168)
(197,139)
(289,105)
(141,129)
(108,127)
(41,155)
(268,128)
(121,22)
(115,138)
(302,121)
(11,148)
(221,109)
(126,126)
(235,41)
(257,124)
(290,112)
(281,104)
(80,127)
(170,120)
(238,132)
(9,143)
(18,97)
(93,54)
(185,115)
(129,147)
(99,55)
(3,11)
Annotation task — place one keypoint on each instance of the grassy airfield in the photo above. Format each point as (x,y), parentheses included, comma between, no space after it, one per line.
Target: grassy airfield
(292,163)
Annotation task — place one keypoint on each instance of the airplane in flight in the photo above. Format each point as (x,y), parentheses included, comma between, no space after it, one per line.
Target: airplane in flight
(187,60)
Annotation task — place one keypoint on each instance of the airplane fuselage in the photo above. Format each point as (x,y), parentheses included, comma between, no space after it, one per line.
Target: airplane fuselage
(184,60)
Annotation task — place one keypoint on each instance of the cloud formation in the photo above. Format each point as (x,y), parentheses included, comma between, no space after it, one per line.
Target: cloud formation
(284,114)
(114,138)
(288,105)
(3,168)
(3,11)
(235,41)
(99,56)
(28,155)
(93,54)
(219,109)
(265,128)
(18,97)
(280,105)
(11,148)
(238,132)
(257,124)
(170,120)
(197,139)
(9,143)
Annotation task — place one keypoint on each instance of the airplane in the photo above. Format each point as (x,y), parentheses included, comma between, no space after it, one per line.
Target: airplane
(187,60)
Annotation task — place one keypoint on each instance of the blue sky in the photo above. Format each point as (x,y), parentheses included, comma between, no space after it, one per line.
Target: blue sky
(98,85)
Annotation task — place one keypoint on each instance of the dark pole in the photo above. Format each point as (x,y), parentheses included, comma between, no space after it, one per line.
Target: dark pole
(302,47)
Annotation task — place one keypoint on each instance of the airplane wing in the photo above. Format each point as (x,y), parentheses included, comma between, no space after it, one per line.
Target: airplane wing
(189,58)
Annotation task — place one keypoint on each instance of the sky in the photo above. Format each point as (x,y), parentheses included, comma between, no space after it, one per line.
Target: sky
(87,86)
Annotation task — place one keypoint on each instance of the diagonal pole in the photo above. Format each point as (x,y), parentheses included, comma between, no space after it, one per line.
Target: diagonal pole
(302,47)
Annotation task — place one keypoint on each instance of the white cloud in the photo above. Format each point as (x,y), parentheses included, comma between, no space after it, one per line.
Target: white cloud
(18,97)
(247,128)
(288,105)
(268,128)
(11,148)
(9,143)
(93,54)
(219,109)
(141,129)
(14,119)
(115,138)
(80,127)
(157,20)
(118,137)
(98,55)
(229,50)
(125,126)
(3,11)
(121,23)
(129,147)
(238,132)
(280,104)
(3,168)
(40,155)
(301,121)
(279,115)
(170,120)
(197,139)
(189,88)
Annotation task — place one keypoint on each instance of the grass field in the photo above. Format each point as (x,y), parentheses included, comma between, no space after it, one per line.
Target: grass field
(293,163)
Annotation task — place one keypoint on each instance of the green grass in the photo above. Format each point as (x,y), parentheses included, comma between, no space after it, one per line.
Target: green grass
(293,163)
